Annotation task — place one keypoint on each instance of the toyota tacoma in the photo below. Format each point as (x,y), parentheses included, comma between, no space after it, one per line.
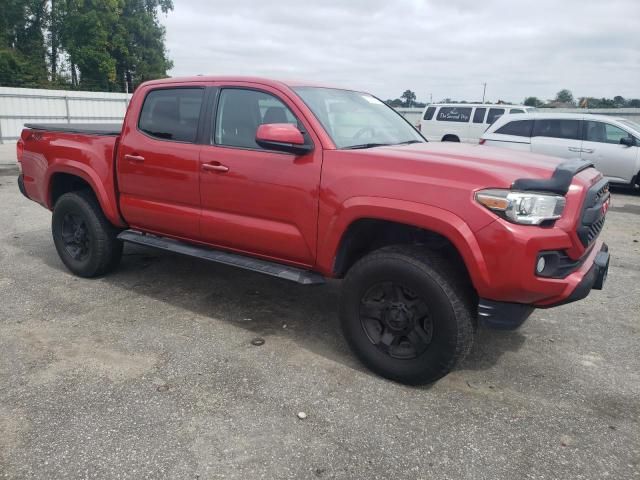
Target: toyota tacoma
(306,182)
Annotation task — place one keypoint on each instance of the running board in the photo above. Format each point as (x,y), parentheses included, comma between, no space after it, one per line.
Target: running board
(285,272)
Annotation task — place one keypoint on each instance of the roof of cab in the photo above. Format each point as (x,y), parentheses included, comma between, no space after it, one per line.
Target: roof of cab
(228,78)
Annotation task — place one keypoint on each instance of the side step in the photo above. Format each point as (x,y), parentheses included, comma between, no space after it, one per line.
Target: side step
(286,272)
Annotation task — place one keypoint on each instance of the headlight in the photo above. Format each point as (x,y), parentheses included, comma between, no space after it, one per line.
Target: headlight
(522,207)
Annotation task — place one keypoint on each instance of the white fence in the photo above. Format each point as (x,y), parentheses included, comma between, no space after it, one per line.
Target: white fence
(27,105)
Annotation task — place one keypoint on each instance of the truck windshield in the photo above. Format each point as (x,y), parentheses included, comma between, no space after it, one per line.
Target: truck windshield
(357,120)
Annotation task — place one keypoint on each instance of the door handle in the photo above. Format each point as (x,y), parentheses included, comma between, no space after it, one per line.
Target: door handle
(575,149)
(134,158)
(212,167)
(588,150)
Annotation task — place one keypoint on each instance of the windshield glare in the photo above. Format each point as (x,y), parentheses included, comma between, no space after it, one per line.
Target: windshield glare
(631,123)
(355,119)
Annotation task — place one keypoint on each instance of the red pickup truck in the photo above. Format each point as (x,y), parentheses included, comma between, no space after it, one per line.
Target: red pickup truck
(305,182)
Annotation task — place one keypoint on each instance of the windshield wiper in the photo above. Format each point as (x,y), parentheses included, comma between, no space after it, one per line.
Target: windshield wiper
(409,142)
(365,145)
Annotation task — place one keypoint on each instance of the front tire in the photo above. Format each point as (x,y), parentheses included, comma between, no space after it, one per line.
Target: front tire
(407,314)
(85,240)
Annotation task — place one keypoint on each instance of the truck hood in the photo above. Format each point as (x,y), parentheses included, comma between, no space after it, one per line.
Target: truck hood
(489,166)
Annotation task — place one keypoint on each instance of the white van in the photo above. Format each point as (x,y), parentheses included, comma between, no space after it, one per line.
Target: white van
(462,122)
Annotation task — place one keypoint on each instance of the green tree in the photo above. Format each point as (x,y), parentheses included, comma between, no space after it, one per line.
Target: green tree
(533,102)
(89,44)
(395,103)
(409,98)
(138,42)
(565,96)
(86,32)
(619,101)
(22,46)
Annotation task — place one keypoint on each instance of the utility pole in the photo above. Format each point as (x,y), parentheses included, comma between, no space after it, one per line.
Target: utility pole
(484,91)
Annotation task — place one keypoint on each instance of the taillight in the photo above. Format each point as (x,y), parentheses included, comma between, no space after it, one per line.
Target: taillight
(481,141)
(19,150)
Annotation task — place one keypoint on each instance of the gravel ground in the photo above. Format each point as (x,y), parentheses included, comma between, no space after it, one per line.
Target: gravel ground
(150,373)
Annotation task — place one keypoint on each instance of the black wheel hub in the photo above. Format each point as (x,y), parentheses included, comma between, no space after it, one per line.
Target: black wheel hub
(396,320)
(75,236)
(398,317)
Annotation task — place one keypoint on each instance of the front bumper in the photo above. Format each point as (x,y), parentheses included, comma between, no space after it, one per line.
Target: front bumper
(593,280)
(509,316)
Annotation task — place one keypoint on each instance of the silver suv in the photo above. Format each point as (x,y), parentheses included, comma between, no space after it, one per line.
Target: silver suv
(611,144)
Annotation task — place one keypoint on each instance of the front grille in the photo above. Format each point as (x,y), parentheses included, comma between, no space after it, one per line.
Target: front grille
(594,230)
(593,212)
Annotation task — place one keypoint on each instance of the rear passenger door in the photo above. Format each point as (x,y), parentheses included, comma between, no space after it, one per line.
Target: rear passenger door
(158,161)
(558,137)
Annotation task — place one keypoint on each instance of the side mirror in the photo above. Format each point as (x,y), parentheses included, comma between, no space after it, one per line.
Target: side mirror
(283,137)
(628,141)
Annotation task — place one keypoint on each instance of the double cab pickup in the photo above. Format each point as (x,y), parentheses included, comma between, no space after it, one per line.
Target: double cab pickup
(306,182)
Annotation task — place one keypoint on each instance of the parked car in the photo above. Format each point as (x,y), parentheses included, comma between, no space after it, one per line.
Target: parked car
(462,122)
(306,183)
(611,144)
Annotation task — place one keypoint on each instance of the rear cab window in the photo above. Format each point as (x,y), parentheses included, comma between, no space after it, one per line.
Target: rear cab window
(454,114)
(172,114)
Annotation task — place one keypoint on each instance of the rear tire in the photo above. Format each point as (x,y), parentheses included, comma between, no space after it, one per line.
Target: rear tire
(450,138)
(85,240)
(407,314)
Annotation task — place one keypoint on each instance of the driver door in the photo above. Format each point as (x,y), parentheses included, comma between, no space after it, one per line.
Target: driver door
(254,200)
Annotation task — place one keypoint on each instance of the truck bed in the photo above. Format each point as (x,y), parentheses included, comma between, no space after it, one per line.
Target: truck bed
(107,129)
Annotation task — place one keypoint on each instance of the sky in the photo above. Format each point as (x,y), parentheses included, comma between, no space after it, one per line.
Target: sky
(439,48)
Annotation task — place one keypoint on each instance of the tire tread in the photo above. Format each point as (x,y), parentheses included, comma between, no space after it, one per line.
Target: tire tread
(454,284)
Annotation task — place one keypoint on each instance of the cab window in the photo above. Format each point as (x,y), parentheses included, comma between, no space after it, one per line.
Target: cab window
(172,114)
(240,112)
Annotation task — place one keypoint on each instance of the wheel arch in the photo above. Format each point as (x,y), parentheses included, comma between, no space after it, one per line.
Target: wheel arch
(68,177)
(450,137)
(368,223)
